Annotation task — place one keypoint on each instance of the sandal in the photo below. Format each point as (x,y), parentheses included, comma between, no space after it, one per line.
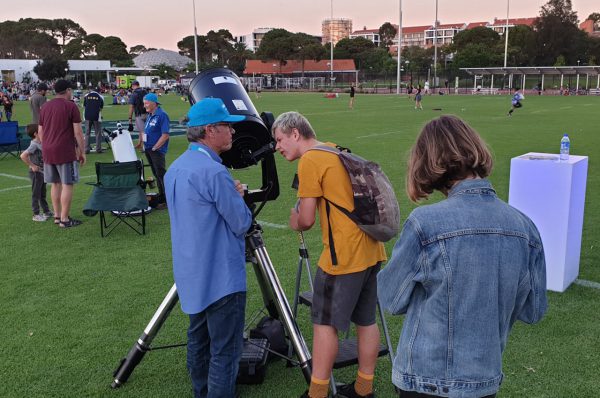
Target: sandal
(56,220)
(68,224)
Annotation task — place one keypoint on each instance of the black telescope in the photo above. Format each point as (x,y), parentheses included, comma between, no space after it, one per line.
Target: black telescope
(252,141)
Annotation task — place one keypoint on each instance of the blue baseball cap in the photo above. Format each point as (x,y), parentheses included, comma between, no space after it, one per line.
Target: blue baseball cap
(151,97)
(210,111)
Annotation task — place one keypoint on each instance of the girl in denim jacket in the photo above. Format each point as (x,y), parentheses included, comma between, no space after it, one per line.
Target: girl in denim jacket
(463,270)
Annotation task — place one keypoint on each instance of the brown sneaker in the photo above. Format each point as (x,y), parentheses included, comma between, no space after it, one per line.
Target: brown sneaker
(161,206)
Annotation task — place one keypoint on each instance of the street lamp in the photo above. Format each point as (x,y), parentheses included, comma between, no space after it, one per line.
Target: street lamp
(506,33)
(399,46)
(195,37)
(331,44)
(578,61)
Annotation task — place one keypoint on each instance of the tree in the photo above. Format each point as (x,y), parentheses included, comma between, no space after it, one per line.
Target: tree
(186,47)
(165,71)
(21,40)
(359,49)
(137,50)
(277,44)
(419,59)
(477,35)
(237,59)
(387,33)
(65,29)
(557,33)
(595,16)
(113,49)
(51,68)
(521,46)
(307,47)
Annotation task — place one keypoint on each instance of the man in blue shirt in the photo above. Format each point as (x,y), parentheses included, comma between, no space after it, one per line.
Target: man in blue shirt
(156,143)
(209,220)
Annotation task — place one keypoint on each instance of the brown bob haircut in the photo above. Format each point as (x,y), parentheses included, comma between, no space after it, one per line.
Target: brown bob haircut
(447,150)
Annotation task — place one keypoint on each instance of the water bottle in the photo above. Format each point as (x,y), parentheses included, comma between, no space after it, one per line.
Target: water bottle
(565,145)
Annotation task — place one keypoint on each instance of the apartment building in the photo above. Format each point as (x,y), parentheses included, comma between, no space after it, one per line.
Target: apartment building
(336,29)
(499,24)
(252,40)
(590,27)
(444,35)
(369,34)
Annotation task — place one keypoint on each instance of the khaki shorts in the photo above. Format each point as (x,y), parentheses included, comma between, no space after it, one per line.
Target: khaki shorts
(66,173)
(341,299)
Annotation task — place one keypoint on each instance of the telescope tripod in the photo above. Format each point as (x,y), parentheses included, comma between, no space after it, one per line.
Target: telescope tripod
(273,296)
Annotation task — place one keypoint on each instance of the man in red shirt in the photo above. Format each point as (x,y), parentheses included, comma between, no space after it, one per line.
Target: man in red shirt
(63,146)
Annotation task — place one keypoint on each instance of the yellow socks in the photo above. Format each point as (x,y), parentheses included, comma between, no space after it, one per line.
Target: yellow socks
(364,384)
(318,388)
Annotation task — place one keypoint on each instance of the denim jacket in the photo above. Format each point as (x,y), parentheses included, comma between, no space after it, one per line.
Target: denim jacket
(463,271)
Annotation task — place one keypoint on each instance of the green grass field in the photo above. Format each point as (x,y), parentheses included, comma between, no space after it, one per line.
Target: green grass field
(74,303)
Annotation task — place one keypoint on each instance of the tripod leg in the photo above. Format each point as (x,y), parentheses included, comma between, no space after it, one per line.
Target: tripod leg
(142,345)
(273,292)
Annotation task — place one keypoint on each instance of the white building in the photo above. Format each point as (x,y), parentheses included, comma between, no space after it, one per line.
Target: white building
(20,69)
(252,40)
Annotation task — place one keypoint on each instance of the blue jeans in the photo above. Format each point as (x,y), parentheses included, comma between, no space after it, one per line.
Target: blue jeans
(215,343)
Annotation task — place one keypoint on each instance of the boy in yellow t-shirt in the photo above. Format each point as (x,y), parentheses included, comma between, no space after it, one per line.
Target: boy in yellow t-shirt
(346,281)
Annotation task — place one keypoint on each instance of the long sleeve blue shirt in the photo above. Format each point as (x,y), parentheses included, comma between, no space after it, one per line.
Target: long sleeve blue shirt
(209,220)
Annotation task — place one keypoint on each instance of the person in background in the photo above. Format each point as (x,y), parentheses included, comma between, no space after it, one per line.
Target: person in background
(93,103)
(418,98)
(8,105)
(32,157)
(352,92)
(516,100)
(464,270)
(36,101)
(137,111)
(345,286)
(209,221)
(61,136)
(156,143)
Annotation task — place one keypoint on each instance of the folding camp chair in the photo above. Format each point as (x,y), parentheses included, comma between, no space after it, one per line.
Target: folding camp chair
(119,190)
(9,139)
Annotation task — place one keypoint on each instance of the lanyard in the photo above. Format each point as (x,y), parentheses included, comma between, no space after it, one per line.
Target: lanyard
(200,149)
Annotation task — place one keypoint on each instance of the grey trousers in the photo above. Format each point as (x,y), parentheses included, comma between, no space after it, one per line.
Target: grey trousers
(38,192)
(88,134)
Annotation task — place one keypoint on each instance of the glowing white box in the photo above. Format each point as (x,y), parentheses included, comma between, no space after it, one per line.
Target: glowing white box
(552,194)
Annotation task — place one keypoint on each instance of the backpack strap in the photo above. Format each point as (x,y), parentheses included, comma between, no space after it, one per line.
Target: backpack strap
(331,244)
(335,151)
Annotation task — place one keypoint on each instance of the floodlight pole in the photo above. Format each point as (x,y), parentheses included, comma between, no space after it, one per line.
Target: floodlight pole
(331,45)
(435,45)
(506,33)
(195,37)
(399,46)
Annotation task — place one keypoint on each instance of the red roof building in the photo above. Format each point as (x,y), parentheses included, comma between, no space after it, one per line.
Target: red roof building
(293,67)
(499,24)
(590,27)
(472,25)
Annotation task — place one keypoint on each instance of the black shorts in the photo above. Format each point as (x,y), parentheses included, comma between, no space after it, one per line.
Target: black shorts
(341,299)
(517,104)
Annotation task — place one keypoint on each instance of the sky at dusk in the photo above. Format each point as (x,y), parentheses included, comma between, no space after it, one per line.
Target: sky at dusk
(161,24)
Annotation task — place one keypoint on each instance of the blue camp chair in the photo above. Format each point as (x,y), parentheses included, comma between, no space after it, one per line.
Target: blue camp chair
(119,190)
(9,139)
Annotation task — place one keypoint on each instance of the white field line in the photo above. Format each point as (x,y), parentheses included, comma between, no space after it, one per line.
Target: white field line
(29,186)
(14,177)
(583,282)
(272,225)
(378,134)
(13,188)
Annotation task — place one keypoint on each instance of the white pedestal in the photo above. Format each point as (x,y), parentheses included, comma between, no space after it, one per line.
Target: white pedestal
(552,194)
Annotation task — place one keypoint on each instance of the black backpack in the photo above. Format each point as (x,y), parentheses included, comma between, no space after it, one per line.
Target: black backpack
(272,330)
(138,103)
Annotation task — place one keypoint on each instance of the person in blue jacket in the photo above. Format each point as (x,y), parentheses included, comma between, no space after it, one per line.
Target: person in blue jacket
(156,143)
(209,220)
(464,270)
